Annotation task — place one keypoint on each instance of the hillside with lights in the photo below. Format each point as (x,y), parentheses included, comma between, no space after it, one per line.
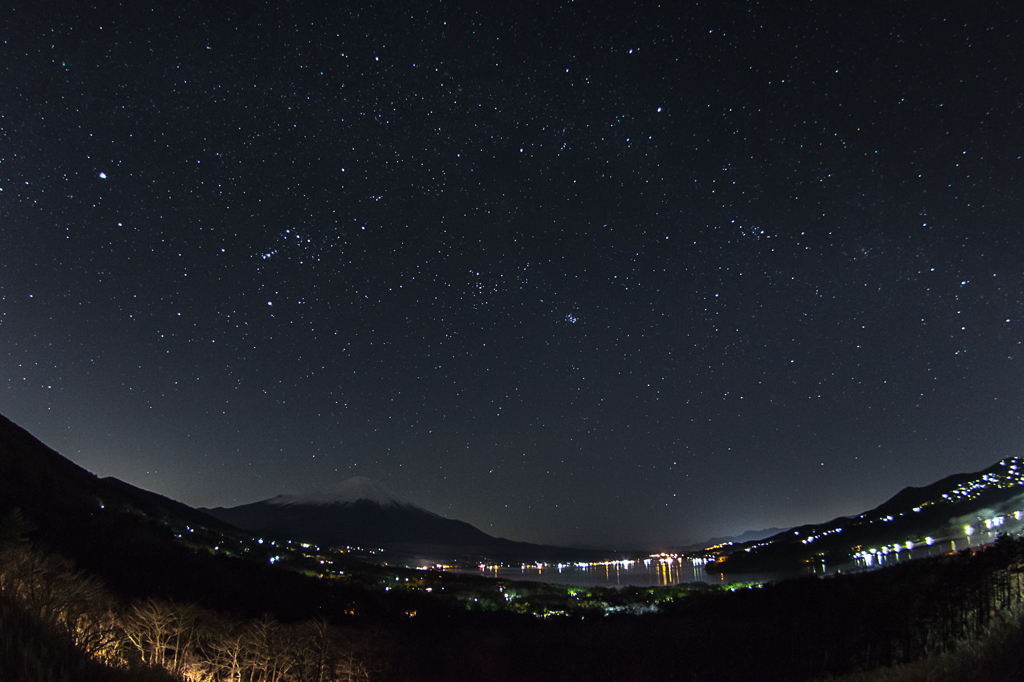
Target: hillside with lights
(959,512)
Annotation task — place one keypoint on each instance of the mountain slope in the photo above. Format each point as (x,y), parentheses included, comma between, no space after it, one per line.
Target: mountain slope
(50,488)
(139,543)
(355,512)
(985,502)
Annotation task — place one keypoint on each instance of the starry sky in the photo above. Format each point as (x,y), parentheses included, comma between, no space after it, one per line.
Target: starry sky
(591,273)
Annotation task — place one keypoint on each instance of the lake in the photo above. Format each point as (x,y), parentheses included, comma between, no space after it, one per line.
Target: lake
(661,570)
(653,572)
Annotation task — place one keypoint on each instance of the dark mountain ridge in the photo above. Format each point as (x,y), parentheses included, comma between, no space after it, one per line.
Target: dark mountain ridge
(359,512)
(129,538)
(362,523)
(937,512)
(112,527)
(47,487)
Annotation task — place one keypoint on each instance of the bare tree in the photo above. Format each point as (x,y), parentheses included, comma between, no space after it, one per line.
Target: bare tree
(227,649)
(49,587)
(164,634)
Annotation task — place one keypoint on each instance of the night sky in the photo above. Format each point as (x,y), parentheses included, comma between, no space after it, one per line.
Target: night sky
(591,273)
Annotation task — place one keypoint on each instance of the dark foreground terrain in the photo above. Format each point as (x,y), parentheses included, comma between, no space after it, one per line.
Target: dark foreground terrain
(100,581)
(57,623)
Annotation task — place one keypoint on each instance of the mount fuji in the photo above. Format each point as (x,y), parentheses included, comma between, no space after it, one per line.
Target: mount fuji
(349,491)
(355,512)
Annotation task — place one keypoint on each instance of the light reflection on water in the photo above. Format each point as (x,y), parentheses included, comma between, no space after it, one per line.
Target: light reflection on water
(894,554)
(621,574)
(661,571)
(613,574)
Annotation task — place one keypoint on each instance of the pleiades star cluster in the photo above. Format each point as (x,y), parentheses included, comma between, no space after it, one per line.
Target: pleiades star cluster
(616,274)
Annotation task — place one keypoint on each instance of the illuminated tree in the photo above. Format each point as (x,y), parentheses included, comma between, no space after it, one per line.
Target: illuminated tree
(163,633)
(49,588)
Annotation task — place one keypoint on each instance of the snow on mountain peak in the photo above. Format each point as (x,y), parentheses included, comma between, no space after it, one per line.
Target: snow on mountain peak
(346,492)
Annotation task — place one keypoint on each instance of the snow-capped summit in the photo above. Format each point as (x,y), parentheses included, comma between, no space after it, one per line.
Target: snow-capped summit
(349,491)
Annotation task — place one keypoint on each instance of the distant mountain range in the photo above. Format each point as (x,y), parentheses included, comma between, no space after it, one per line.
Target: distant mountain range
(747,536)
(120,530)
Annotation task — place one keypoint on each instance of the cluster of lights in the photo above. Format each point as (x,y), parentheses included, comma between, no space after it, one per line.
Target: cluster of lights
(624,564)
(808,540)
(868,556)
(1010,473)
(670,559)
(1013,475)
(301,550)
(997,521)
